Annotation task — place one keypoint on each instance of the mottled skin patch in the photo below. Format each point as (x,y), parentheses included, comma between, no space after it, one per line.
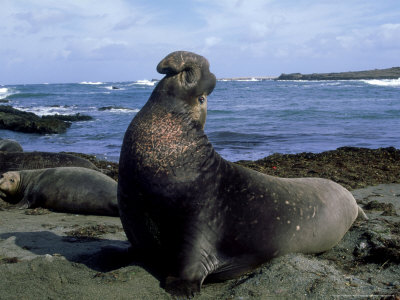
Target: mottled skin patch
(197,215)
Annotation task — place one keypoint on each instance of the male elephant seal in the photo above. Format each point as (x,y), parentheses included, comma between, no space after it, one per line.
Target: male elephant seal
(10,146)
(15,161)
(64,189)
(203,215)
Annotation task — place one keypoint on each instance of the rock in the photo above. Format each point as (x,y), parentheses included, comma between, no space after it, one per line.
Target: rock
(391,73)
(68,118)
(16,120)
(111,107)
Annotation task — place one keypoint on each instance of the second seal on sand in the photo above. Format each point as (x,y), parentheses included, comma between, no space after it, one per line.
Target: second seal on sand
(65,189)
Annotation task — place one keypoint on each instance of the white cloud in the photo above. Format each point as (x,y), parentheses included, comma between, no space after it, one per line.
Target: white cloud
(254,34)
(212,41)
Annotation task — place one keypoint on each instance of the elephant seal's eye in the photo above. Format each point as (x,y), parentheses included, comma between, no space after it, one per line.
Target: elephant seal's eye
(202,99)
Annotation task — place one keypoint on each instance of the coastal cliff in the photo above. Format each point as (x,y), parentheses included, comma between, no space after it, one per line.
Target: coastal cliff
(391,73)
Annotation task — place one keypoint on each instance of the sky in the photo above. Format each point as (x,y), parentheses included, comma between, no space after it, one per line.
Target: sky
(52,41)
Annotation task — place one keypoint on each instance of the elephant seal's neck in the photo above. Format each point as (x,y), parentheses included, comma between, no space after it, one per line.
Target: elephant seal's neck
(169,143)
(28,178)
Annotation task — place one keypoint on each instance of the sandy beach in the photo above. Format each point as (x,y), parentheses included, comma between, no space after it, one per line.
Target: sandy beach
(48,255)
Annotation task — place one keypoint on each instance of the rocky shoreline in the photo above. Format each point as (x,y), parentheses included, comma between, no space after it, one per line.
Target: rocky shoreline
(21,121)
(351,167)
(390,73)
(44,254)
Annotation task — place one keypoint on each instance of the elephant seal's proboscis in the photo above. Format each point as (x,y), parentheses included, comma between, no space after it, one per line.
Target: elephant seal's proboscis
(65,189)
(205,216)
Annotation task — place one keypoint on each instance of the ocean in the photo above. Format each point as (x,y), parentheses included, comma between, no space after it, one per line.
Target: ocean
(247,119)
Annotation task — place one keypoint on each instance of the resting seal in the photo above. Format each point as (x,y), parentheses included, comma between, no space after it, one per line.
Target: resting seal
(65,189)
(10,146)
(15,161)
(205,216)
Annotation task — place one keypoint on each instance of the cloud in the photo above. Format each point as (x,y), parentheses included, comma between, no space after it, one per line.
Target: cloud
(95,49)
(270,26)
(255,35)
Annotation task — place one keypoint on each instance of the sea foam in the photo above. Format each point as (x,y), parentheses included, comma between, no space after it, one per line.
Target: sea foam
(5,92)
(114,88)
(116,109)
(244,79)
(249,79)
(145,82)
(383,82)
(49,110)
(90,82)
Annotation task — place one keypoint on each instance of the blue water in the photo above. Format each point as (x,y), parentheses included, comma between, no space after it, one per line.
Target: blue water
(246,119)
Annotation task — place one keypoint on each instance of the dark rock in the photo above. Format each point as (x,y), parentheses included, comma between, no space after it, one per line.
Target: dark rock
(391,73)
(16,120)
(68,118)
(110,108)
(346,165)
(106,167)
(387,208)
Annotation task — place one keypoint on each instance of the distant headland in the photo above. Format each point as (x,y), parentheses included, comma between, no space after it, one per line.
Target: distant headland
(391,73)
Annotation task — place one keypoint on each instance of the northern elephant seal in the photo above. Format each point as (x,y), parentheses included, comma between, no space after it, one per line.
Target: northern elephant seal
(64,189)
(15,161)
(10,146)
(205,216)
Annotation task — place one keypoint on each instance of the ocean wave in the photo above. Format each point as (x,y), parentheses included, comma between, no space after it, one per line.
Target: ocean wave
(49,110)
(113,87)
(117,109)
(383,82)
(92,83)
(250,79)
(6,92)
(145,82)
(3,93)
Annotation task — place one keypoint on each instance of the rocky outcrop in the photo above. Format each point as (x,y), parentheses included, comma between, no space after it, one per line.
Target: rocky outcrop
(391,73)
(16,120)
(68,118)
